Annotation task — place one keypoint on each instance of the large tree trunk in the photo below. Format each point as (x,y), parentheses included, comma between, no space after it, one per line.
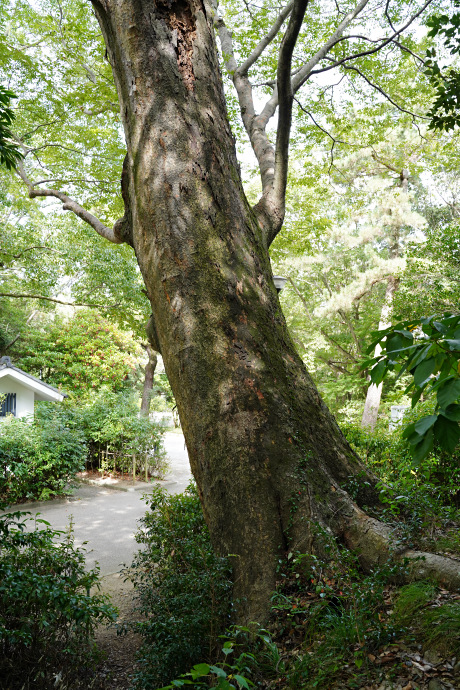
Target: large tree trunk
(268,458)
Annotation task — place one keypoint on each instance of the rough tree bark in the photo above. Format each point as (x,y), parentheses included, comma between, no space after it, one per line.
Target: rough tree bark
(269,460)
(148,378)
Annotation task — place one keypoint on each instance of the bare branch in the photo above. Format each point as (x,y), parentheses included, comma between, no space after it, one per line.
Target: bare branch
(69,205)
(21,295)
(384,93)
(261,145)
(304,73)
(259,49)
(278,193)
(365,53)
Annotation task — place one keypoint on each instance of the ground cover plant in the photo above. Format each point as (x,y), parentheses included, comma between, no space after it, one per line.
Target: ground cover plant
(47,613)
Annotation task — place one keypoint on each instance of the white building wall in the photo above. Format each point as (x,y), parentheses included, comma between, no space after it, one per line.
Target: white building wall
(24,396)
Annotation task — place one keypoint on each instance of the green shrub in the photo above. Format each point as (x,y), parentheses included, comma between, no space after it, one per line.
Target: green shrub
(111,422)
(47,616)
(39,457)
(182,587)
(388,454)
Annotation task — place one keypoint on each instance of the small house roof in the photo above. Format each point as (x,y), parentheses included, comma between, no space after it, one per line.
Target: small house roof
(42,390)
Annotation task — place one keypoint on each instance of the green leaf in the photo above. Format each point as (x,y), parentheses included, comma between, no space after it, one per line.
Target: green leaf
(447,433)
(448,393)
(242,681)
(199,670)
(453,344)
(377,374)
(422,449)
(218,671)
(409,430)
(397,343)
(425,423)
(452,412)
(424,371)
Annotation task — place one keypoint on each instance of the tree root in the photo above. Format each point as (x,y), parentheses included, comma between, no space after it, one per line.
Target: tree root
(373,541)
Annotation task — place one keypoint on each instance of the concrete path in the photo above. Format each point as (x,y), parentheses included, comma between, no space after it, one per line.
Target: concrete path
(105,517)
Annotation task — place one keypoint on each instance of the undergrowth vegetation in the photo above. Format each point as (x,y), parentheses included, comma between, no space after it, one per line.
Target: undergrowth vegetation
(47,614)
(332,625)
(39,457)
(183,588)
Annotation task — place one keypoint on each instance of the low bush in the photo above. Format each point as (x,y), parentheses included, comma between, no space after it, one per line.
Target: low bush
(182,587)
(47,614)
(113,430)
(38,458)
(388,454)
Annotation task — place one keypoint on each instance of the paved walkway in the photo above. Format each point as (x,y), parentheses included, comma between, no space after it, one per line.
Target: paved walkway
(105,517)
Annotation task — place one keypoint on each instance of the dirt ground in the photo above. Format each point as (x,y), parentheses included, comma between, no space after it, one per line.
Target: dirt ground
(117,667)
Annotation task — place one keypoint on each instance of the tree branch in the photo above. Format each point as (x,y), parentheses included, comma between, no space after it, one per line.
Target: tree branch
(384,93)
(301,77)
(304,72)
(70,205)
(259,49)
(20,295)
(18,335)
(29,249)
(285,96)
(261,145)
(365,53)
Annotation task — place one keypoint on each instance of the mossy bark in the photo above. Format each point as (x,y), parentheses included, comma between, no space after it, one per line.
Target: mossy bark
(269,460)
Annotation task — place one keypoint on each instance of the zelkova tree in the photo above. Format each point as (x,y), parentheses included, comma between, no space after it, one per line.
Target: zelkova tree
(269,460)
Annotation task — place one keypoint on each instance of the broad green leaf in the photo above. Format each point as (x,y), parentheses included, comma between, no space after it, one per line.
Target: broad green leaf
(453,344)
(218,671)
(377,374)
(409,430)
(452,412)
(423,424)
(447,433)
(424,371)
(421,450)
(242,681)
(200,670)
(397,343)
(448,393)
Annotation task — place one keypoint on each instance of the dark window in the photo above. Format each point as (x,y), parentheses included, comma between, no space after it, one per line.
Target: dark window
(8,404)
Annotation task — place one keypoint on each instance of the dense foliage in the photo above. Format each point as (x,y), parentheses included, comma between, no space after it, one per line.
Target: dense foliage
(80,353)
(111,424)
(428,350)
(9,151)
(39,458)
(182,587)
(47,614)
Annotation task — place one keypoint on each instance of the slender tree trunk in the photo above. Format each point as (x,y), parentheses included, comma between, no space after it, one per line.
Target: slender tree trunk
(148,379)
(269,460)
(374,393)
